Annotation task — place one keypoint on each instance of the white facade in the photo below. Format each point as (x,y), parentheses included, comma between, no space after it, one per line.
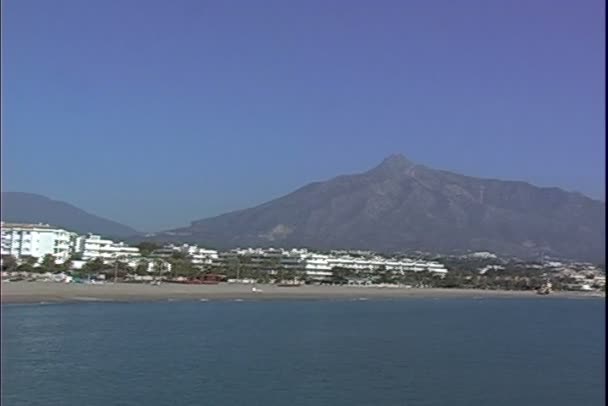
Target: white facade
(36,240)
(93,246)
(319,266)
(321,263)
(198,255)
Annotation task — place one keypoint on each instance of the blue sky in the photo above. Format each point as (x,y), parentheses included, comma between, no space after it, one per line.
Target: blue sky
(156,113)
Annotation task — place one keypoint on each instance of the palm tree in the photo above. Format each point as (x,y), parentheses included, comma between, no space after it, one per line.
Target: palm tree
(290,274)
(159,263)
(66,266)
(233,266)
(116,264)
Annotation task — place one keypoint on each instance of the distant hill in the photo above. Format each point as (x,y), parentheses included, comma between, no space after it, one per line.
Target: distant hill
(402,206)
(33,208)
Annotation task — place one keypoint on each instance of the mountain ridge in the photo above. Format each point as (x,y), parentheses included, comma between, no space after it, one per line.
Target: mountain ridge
(401,205)
(24,207)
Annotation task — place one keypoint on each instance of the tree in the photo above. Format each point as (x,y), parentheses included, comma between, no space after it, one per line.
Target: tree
(48,264)
(146,248)
(181,265)
(339,275)
(91,268)
(263,277)
(120,269)
(178,255)
(384,275)
(246,267)
(219,269)
(280,275)
(9,263)
(142,268)
(233,268)
(76,257)
(29,260)
(26,267)
(160,267)
(290,274)
(66,266)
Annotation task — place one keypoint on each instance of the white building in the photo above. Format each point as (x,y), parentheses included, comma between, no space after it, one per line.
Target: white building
(320,266)
(36,240)
(327,262)
(317,266)
(198,255)
(92,246)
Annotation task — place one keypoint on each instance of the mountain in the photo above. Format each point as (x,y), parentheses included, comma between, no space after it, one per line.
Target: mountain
(32,208)
(402,206)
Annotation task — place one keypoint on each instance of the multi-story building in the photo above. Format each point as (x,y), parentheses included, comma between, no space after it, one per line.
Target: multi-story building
(317,266)
(324,262)
(320,266)
(199,256)
(92,246)
(36,240)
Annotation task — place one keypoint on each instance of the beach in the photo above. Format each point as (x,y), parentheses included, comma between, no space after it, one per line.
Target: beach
(36,292)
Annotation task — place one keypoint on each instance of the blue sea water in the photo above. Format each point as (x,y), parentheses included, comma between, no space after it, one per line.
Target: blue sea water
(398,352)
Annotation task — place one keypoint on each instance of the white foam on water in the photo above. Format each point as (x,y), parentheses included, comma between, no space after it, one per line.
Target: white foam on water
(90,299)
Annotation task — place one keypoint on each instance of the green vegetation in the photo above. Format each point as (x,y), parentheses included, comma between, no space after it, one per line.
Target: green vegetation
(48,264)
(142,268)
(340,276)
(463,273)
(9,263)
(146,248)
(181,265)
(93,267)
(29,260)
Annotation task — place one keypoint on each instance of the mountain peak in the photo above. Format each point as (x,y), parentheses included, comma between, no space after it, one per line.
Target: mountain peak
(396,158)
(404,206)
(395,163)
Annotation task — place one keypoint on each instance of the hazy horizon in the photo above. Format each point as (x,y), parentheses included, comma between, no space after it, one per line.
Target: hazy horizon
(159,115)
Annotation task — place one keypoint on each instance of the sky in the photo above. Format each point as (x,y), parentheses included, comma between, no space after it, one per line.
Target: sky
(157,113)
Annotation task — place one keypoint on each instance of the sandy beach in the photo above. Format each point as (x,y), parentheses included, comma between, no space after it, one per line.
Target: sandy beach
(36,292)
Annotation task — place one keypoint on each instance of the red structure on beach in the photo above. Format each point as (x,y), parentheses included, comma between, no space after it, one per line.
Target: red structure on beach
(208,279)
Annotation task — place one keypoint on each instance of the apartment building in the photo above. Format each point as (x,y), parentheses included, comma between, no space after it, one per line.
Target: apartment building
(199,256)
(36,240)
(92,246)
(319,262)
(319,266)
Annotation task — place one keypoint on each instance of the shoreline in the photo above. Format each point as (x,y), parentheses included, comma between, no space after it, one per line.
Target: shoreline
(48,292)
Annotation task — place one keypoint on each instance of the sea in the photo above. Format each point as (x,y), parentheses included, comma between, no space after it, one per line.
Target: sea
(429,352)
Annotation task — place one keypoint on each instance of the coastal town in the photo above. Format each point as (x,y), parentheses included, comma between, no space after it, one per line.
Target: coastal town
(40,252)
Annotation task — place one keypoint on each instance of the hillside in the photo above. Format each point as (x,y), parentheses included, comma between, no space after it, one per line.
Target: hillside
(402,206)
(32,208)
